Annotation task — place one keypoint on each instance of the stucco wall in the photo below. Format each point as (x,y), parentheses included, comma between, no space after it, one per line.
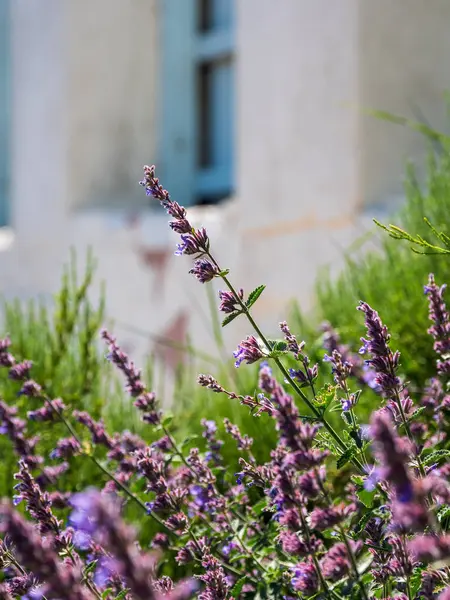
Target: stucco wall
(84,94)
(403,69)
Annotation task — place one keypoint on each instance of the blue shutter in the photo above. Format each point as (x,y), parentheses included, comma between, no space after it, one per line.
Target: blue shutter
(214,47)
(177,99)
(4,110)
(196,150)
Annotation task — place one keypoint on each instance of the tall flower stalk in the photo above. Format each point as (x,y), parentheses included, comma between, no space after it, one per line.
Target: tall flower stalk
(195,242)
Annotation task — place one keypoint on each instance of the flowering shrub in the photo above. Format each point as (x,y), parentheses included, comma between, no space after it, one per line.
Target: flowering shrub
(387,273)
(358,511)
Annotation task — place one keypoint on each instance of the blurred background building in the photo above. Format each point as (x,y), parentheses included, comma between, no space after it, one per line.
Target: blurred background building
(252,112)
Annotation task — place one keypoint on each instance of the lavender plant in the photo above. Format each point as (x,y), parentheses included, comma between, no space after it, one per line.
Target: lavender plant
(358,511)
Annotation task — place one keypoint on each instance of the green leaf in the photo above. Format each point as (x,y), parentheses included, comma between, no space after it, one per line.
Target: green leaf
(167,420)
(363,522)
(230,318)
(188,440)
(346,457)
(325,396)
(90,567)
(366,497)
(436,456)
(237,588)
(280,346)
(106,593)
(253,296)
(415,582)
(277,348)
(260,506)
(443,513)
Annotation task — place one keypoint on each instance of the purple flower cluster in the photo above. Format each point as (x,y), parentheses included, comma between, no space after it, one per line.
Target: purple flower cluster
(384,362)
(440,330)
(194,242)
(307,521)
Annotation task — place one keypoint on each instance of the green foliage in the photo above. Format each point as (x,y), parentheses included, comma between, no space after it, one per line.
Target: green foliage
(62,340)
(391,279)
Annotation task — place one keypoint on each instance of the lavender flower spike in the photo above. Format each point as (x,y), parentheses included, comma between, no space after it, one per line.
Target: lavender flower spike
(247,350)
(392,455)
(204,270)
(438,314)
(383,360)
(39,557)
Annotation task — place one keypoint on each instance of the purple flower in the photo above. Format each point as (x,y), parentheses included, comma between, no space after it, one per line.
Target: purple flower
(66,448)
(305,578)
(323,518)
(20,371)
(204,270)
(216,585)
(372,479)
(228,301)
(384,361)
(209,382)
(181,226)
(46,412)
(104,570)
(30,388)
(291,340)
(82,540)
(392,453)
(248,350)
(243,441)
(336,563)
(40,558)
(145,400)
(438,314)
(196,242)
(341,369)
(81,517)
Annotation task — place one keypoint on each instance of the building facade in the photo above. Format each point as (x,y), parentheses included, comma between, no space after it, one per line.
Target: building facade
(251,110)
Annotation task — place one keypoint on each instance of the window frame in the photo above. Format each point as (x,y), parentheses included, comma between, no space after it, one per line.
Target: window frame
(185,48)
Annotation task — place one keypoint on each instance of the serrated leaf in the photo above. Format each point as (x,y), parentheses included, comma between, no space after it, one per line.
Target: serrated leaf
(253,296)
(415,582)
(363,521)
(230,318)
(237,588)
(345,457)
(443,513)
(436,456)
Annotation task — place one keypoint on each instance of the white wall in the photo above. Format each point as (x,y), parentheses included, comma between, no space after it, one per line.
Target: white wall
(85,100)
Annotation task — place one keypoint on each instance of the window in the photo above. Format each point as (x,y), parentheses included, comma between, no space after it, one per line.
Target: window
(4,110)
(196,137)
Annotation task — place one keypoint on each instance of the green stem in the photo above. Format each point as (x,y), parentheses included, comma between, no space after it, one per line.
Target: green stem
(230,525)
(323,583)
(342,445)
(353,562)
(123,487)
(405,421)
